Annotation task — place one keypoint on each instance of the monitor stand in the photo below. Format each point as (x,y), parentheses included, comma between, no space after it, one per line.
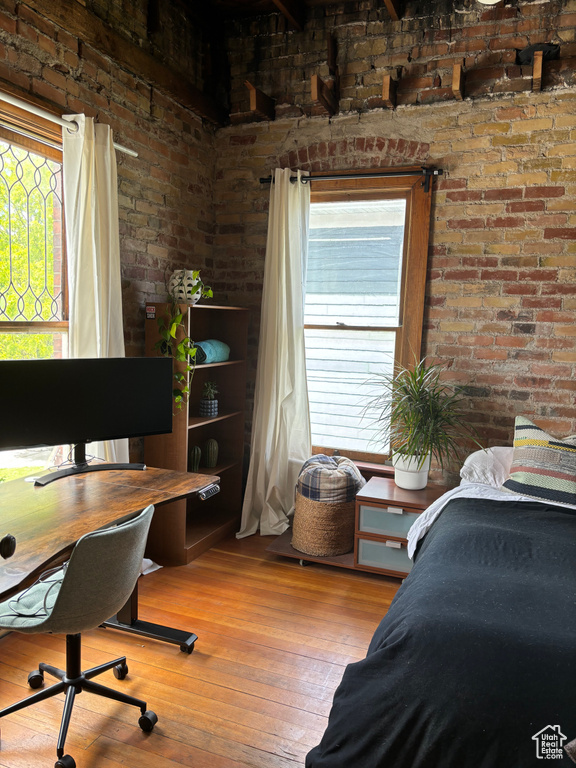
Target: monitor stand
(80,466)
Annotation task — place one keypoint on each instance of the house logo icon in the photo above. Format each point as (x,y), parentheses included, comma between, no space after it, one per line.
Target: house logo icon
(549,743)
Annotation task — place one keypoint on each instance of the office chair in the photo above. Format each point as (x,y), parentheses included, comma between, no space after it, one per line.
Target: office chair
(91,587)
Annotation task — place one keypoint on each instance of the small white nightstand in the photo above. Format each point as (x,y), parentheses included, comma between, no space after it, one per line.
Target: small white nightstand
(384,514)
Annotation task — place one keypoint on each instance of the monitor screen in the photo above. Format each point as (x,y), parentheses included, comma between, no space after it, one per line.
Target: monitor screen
(56,402)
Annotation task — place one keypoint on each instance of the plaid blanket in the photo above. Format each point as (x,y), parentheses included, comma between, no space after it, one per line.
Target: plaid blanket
(331,479)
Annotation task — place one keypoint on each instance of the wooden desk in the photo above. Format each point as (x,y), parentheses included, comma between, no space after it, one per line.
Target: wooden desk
(47,521)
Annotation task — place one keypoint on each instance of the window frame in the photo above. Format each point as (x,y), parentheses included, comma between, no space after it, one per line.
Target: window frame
(19,127)
(418,196)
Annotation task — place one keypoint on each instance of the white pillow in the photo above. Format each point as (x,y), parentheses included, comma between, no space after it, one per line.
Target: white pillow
(490,467)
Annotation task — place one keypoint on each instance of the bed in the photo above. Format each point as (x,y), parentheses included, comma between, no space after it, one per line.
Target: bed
(474,665)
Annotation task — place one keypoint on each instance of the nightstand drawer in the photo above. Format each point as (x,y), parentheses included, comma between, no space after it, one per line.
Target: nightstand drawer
(386,520)
(391,555)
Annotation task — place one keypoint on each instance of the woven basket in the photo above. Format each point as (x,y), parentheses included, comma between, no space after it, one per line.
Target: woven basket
(322,528)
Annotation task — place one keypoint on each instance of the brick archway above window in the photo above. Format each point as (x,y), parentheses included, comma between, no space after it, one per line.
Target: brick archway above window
(355,153)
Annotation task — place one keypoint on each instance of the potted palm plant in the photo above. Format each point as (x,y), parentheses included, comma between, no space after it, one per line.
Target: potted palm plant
(419,417)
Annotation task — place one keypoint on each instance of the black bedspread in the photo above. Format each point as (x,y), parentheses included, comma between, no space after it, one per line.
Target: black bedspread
(477,653)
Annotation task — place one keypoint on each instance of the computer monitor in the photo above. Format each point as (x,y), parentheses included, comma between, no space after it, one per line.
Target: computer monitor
(55,402)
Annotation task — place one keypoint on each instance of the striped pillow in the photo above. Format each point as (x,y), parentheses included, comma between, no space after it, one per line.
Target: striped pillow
(542,467)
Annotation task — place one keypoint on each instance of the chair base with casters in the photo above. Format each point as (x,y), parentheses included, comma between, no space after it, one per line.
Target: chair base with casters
(80,595)
(73,681)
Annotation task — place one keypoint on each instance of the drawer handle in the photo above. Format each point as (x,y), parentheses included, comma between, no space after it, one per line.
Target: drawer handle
(395,510)
(395,544)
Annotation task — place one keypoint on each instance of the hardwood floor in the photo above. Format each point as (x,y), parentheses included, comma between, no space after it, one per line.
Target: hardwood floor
(274,638)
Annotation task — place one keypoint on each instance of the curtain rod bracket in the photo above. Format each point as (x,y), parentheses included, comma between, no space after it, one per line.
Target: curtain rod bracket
(428,173)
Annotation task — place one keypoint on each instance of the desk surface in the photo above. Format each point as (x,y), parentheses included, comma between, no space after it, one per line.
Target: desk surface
(47,521)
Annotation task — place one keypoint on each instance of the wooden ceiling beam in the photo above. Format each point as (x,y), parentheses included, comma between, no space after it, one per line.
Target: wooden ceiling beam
(322,94)
(260,103)
(393,7)
(294,11)
(80,22)
(389,86)
(458,81)
(537,68)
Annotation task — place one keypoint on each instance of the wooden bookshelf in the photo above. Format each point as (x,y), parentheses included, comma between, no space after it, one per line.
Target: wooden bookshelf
(188,528)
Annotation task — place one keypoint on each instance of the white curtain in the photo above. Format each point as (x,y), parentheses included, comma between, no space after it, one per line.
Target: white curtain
(281,425)
(93,251)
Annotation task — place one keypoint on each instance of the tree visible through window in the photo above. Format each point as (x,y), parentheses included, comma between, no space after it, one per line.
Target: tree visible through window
(364,299)
(33,296)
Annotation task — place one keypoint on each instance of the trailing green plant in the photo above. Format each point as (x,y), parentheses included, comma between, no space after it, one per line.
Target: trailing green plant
(209,390)
(418,414)
(174,342)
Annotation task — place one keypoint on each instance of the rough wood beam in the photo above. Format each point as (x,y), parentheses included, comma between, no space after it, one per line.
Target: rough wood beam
(323,95)
(537,67)
(458,81)
(393,7)
(332,55)
(261,104)
(389,87)
(293,10)
(80,22)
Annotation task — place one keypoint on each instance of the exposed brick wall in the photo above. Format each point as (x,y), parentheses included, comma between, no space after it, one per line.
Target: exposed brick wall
(502,288)
(165,195)
(501,293)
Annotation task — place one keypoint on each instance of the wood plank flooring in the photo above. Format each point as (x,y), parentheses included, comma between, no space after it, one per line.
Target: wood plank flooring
(274,638)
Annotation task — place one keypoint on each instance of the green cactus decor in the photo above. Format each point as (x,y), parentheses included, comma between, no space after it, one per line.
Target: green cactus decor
(211,453)
(195,455)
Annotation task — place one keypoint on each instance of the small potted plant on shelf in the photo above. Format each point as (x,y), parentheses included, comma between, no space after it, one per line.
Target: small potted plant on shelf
(419,417)
(174,341)
(209,403)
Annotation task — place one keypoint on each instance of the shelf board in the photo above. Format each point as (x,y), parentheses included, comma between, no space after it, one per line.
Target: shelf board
(201,421)
(206,527)
(195,307)
(218,365)
(282,546)
(218,469)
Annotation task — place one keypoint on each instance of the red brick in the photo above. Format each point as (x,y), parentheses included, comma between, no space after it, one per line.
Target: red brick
(503,194)
(552,233)
(466,223)
(525,206)
(539,192)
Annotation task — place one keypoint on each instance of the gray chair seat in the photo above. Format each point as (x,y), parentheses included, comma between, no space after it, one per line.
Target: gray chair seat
(91,587)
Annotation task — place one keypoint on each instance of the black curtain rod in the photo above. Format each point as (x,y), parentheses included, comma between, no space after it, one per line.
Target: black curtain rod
(428,173)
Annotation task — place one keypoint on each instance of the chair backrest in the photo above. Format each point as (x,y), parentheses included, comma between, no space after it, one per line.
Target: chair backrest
(100,576)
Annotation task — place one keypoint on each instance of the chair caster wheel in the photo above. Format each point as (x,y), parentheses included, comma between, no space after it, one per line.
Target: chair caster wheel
(187,648)
(65,762)
(121,671)
(148,720)
(36,679)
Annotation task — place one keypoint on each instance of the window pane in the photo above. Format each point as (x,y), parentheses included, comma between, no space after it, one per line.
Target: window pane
(340,365)
(355,262)
(33,346)
(31,258)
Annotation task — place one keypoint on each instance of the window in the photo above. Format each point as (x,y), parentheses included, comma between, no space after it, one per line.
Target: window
(365,284)
(33,296)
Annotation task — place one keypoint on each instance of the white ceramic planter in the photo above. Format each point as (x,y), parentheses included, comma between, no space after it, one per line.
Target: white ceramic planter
(182,286)
(407,474)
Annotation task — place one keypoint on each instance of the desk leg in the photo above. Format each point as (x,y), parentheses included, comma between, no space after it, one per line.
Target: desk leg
(127,620)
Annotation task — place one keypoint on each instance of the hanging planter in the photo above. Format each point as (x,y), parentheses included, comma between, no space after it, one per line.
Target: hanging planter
(185,286)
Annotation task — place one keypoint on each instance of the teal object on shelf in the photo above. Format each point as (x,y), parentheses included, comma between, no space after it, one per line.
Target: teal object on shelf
(211,351)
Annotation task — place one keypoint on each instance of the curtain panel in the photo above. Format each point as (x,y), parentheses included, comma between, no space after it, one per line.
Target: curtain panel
(93,250)
(281,439)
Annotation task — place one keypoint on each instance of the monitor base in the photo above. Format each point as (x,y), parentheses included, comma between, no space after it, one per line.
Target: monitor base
(79,469)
